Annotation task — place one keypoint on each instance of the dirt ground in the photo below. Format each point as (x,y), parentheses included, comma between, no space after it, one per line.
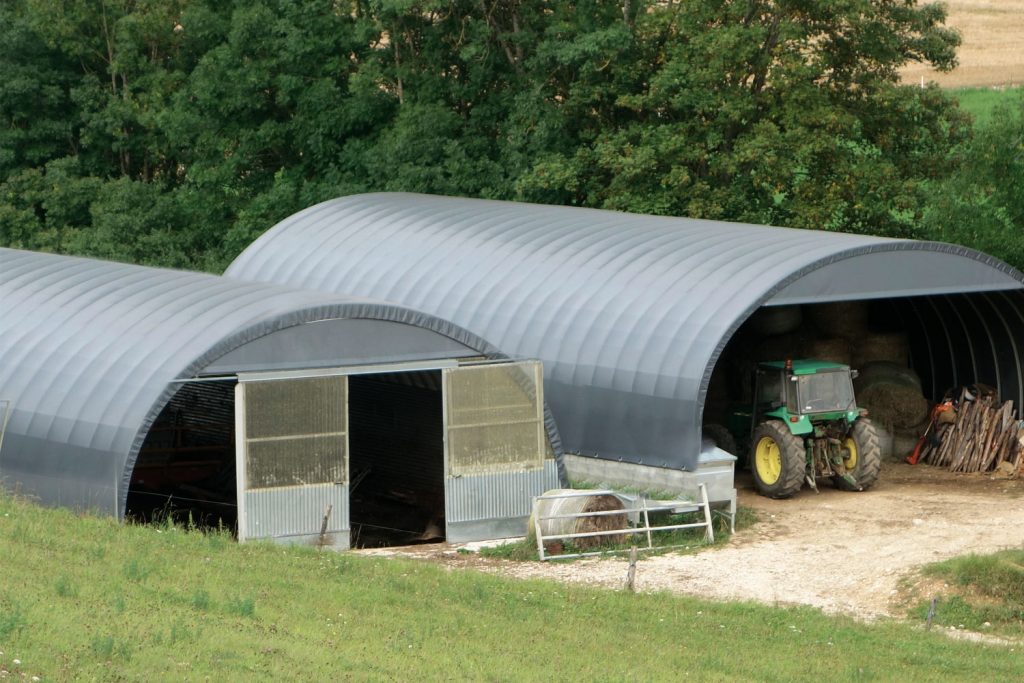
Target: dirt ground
(991,53)
(842,552)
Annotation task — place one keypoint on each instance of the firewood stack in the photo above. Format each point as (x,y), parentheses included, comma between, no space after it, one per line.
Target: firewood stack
(984,435)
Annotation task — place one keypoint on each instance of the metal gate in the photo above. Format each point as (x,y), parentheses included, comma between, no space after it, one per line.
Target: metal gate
(292,458)
(495,448)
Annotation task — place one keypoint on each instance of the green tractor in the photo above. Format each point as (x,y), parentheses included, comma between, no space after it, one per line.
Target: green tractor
(806,426)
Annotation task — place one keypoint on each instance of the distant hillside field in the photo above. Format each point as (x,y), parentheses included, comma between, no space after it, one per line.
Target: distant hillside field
(992,53)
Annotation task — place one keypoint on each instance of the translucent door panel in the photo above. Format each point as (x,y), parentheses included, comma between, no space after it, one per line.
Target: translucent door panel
(292,459)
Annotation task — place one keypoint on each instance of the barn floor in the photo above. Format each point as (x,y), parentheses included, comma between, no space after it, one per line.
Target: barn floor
(842,552)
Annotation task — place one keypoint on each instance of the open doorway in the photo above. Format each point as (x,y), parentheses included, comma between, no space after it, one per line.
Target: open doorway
(185,471)
(396,459)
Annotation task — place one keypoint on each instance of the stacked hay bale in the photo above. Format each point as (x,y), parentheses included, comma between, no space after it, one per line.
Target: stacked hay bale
(887,387)
(895,402)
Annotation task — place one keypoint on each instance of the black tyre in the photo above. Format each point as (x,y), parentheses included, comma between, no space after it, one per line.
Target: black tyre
(777,459)
(862,456)
(722,437)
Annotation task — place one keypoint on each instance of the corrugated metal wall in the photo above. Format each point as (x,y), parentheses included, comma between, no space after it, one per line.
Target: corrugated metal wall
(276,514)
(506,495)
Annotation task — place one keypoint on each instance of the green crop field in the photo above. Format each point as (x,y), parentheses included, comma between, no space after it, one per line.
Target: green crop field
(980,102)
(84,598)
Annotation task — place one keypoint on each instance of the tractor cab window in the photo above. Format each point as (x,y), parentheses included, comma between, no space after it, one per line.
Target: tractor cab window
(770,391)
(825,392)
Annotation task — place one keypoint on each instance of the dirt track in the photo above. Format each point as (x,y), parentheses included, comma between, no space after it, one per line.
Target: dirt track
(842,552)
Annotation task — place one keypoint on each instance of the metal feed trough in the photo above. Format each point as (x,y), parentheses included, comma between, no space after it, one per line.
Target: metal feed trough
(637,514)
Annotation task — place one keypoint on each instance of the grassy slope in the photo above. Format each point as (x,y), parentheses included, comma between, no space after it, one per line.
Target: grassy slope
(980,592)
(85,598)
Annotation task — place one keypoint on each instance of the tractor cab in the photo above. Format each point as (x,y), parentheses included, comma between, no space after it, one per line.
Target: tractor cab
(804,392)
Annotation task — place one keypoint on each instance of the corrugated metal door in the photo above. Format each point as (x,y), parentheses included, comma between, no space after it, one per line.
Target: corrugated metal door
(495,448)
(292,458)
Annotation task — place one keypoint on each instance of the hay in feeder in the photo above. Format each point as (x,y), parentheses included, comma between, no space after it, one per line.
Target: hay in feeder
(580,504)
(901,406)
(890,347)
(835,349)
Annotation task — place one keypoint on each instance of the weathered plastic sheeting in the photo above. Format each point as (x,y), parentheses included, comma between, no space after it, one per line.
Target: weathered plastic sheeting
(89,351)
(629,313)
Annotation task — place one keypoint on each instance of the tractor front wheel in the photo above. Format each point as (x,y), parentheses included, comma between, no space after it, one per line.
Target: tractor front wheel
(777,459)
(862,455)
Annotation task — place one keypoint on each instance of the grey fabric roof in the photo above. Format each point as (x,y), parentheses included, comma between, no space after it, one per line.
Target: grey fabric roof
(629,313)
(88,348)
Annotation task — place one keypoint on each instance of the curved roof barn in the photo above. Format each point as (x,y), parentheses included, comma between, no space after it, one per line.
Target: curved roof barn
(90,352)
(630,313)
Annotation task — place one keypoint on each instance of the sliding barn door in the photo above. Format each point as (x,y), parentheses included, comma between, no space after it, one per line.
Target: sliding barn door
(292,459)
(495,448)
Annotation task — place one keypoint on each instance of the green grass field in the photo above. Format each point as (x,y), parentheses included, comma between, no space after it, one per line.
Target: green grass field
(983,593)
(979,102)
(84,598)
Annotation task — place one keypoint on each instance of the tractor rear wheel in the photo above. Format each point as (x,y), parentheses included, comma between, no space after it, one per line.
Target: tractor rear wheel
(862,455)
(721,436)
(777,459)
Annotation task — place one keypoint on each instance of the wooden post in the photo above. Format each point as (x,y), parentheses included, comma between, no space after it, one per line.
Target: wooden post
(323,525)
(931,614)
(631,574)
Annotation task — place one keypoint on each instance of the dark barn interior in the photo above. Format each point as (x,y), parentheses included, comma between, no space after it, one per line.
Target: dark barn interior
(910,352)
(186,467)
(396,465)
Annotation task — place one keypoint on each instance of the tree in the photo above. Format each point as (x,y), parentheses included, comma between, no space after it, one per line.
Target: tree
(175,131)
(786,112)
(982,204)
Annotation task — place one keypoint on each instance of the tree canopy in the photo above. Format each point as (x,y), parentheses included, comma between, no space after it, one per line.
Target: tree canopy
(173,132)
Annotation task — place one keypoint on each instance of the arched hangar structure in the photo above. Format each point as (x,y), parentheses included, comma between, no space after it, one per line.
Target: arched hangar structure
(631,314)
(129,389)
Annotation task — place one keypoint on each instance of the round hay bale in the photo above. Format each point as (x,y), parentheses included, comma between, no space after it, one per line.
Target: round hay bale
(890,347)
(894,404)
(885,439)
(885,372)
(580,525)
(835,349)
(840,319)
(779,347)
(772,320)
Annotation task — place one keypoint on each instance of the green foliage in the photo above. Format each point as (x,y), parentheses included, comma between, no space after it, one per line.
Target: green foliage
(241,606)
(173,133)
(65,588)
(201,600)
(982,204)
